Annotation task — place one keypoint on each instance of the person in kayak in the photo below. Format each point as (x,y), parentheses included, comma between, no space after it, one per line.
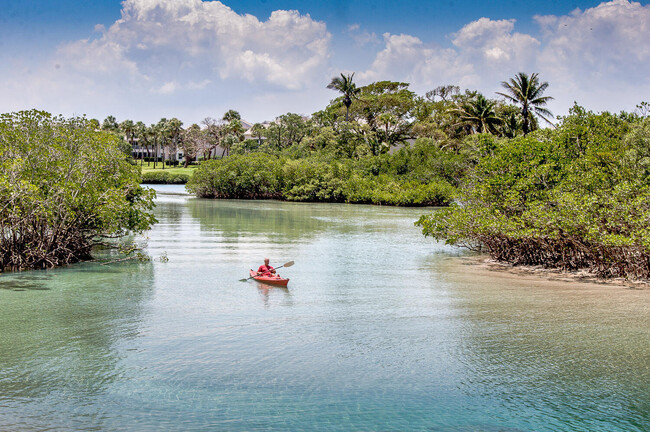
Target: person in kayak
(265,268)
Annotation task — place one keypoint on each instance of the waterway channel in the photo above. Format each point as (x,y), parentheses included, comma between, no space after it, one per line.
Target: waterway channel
(379,329)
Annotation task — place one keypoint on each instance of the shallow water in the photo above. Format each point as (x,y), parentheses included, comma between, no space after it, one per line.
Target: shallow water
(379,329)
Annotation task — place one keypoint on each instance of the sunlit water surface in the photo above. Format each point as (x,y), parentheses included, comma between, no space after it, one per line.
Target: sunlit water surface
(379,330)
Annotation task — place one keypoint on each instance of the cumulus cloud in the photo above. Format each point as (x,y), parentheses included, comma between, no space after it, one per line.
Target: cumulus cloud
(407,58)
(599,56)
(165,40)
(167,57)
(173,52)
(605,46)
(482,50)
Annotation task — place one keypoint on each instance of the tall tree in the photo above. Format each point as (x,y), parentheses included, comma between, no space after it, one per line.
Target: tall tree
(258,130)
(345,85)
(161,138)
(214,130)
(479,114)
(526,91)
(173,130)
(192,142)
(140,132)
(234,133)
(231,115)
(127,127)
(110,124)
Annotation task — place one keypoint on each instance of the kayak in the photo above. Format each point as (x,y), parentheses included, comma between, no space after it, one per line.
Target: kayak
(270,279)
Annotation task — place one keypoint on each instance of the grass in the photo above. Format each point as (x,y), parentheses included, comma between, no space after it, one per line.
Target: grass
(148,167)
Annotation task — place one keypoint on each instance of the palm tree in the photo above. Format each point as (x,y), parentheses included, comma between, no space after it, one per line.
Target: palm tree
(110,124)
(127,127)
(258,131)
(348,88)
(161,138)
(231,115)
(527,92)
(173,129)
(140,133)
(234,133)
(479,114)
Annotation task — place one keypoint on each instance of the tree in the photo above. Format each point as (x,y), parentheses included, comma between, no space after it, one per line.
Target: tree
(233,134)
(161,138)
(127,127)
(258,130)
(287,130)
(231,115)
(140,132)
(214,130)
(527,92)
(386,111)
(479,113)
(345,85)
(110,124)
(174,129)
(444,92)
(64,187)
(192,142)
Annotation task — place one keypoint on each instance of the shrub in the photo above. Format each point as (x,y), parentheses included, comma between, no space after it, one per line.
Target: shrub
(164,177)
(251,176)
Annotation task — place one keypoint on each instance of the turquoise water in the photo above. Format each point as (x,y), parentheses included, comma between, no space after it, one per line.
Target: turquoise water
(379,330)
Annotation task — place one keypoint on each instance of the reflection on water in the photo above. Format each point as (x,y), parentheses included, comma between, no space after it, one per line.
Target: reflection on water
(379,329)
(62,342)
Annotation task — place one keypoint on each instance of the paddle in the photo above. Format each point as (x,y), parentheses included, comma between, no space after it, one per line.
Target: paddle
(287,264)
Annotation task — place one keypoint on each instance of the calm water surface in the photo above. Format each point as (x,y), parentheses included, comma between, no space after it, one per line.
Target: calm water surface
(379,330)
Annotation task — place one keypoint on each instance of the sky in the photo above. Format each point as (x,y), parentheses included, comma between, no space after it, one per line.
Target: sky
(191,59)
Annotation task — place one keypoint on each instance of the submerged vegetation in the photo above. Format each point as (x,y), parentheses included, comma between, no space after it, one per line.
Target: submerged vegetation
(64,188)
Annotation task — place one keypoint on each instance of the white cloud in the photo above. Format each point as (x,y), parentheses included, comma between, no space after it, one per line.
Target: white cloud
(599,57)
(483,49)
(362,38)
(173,48)
(602,50)
(168,39)
(198,58)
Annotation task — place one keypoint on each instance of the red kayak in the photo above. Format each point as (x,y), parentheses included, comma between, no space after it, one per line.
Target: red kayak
(269,279)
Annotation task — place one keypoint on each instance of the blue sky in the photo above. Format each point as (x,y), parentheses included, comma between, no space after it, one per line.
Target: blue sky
(193,59)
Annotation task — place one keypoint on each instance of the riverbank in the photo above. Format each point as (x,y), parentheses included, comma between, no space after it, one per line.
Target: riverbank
(484,262)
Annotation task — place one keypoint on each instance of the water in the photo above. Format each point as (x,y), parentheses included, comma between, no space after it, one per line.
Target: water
(379,330)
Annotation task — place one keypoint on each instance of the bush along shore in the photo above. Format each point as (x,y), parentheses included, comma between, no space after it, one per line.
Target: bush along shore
(164,177)
(410,177)
(574,198)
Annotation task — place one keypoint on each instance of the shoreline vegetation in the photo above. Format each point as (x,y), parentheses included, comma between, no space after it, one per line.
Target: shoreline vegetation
(64,188)
(574,196)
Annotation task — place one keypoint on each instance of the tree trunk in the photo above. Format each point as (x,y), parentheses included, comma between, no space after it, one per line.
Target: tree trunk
(525,126)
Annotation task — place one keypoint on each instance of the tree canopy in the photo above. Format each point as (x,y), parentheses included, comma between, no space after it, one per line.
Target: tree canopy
(63,188)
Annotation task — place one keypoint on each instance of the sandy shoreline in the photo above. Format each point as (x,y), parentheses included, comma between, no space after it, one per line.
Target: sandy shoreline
(486,263)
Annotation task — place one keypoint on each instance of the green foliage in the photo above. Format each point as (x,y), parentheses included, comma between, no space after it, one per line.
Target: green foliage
(164,177)
(63,186)
(250,176)
(576,197)
(374,180)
